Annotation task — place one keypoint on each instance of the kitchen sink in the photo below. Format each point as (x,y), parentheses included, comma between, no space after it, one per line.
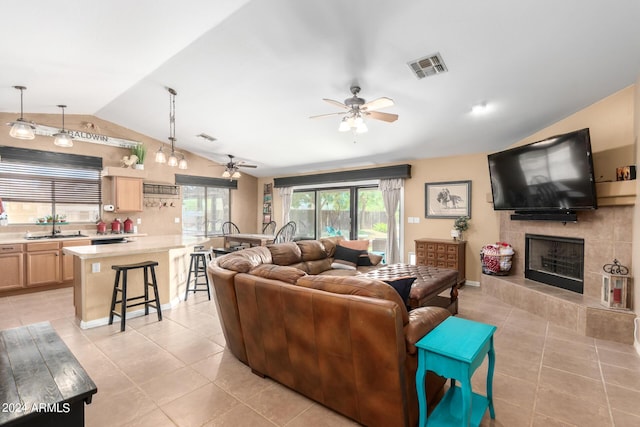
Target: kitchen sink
(55,236)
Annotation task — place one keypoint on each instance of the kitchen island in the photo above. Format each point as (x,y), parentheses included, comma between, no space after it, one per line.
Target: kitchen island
(94,277)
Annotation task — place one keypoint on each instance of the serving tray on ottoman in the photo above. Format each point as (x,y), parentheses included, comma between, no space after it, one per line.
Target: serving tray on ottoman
(430,281)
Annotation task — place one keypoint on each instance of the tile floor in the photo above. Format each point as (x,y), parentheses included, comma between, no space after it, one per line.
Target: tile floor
(177,372)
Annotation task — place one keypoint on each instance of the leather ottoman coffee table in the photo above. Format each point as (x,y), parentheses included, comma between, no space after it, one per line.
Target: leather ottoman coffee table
(430,281)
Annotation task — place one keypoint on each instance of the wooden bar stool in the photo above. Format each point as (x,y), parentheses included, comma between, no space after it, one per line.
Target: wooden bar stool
(198,268)
(148,266)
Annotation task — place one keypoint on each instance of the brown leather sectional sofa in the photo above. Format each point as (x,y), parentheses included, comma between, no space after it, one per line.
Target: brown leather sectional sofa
(345,342)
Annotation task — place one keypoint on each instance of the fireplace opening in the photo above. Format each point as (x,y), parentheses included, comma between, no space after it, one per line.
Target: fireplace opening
(556,261)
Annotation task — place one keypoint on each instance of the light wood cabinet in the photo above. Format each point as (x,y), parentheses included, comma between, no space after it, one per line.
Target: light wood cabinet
(442,253)
(127,194)
(11,266)
(43,263)
(67,260)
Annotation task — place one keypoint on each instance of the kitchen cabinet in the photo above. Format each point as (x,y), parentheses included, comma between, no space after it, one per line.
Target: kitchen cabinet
(43,263)
(127,194)
(67,260)
(11,266)
(442,253)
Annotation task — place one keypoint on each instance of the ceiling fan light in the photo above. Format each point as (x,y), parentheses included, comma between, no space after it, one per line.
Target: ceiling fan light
(344,126)
(182,164)
(21,129)
(226,174)
(160,156)
(361,127)
(236,175)
(63,139)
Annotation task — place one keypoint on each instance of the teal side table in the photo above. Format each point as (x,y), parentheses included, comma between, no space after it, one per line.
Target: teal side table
(455,349)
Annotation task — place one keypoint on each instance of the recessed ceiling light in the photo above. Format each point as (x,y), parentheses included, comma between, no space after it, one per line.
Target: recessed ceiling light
(480,108)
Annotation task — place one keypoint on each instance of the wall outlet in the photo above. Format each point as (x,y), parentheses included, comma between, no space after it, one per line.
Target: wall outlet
(95,267)
(139,221)
(176,220)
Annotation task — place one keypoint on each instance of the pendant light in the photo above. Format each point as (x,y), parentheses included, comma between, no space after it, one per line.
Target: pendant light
(161,157)
(63,138)
(22,129)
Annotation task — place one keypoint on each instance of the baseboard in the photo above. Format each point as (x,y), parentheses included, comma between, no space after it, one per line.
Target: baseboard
(636,334)
(472,283)
(130,315)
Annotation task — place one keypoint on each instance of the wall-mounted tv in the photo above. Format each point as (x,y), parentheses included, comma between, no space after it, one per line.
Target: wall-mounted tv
(554,175)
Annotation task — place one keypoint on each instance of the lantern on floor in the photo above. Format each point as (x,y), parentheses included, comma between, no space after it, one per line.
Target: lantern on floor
(615,283)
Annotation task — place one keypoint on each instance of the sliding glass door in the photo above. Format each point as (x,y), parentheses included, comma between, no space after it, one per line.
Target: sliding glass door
(354,212)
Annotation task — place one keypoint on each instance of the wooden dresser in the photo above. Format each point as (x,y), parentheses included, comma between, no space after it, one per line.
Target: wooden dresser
(442,253)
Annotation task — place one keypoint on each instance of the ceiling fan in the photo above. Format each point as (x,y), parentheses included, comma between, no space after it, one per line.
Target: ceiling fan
(356,109)
(231,168)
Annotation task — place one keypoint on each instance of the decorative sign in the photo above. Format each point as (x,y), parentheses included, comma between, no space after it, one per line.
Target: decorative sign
(85,136)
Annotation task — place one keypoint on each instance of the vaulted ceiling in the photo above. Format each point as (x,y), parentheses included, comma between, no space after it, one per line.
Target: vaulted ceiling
(251,72)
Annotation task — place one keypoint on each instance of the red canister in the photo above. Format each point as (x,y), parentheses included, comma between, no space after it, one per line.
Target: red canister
(102,227)
(116,226)
(128,225)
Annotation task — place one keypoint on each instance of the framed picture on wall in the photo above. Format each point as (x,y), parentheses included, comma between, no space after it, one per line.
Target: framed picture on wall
(447,199)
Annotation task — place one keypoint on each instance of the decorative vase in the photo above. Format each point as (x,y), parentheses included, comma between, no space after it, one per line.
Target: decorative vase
(138,166)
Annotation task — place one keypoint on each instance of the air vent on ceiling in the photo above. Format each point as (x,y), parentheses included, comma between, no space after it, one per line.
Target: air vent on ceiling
(429,65)
(205,136)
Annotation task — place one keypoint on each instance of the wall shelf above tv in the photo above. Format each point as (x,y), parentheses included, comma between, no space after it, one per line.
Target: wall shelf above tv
(616,193)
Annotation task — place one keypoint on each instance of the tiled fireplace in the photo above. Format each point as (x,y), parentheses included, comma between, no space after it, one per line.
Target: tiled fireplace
(604,234)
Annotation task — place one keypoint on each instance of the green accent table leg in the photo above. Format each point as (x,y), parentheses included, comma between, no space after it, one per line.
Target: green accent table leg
(492,362)
(422,398)
(465,386)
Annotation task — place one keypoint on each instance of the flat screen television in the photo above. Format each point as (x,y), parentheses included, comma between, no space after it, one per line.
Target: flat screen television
(553,175)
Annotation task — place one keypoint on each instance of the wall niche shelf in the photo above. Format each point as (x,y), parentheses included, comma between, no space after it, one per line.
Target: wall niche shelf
(616,193)
(155,190)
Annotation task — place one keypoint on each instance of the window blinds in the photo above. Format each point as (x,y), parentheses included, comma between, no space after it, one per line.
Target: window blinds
(31,182)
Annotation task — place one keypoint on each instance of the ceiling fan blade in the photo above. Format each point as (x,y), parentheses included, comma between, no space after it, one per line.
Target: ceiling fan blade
(377,104)
(328,114)
(336,103)
(246,166)
(386,117)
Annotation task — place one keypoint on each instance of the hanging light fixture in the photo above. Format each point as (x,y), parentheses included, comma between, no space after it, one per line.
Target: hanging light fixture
(22,129)
(161,157)
(182,164)
(63,138)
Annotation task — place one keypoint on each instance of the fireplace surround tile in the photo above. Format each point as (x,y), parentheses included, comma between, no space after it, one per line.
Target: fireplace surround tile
(607,234)
(579,313)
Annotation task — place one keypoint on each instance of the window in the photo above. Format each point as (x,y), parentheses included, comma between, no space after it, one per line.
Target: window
(354,212)
(204,209)
(36,186)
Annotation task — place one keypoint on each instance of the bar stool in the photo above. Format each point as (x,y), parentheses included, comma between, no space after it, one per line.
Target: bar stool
(198,267)
(148,266)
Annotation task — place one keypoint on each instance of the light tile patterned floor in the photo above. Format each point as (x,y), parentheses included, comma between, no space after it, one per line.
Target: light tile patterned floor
(177,372)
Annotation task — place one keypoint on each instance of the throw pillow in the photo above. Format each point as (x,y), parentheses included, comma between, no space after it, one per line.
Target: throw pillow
(345,258)
(375,258)
(368,259)
(364,260)
(361,245)
(403,286)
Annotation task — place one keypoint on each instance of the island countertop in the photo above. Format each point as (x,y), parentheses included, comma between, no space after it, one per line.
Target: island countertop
(137,245)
